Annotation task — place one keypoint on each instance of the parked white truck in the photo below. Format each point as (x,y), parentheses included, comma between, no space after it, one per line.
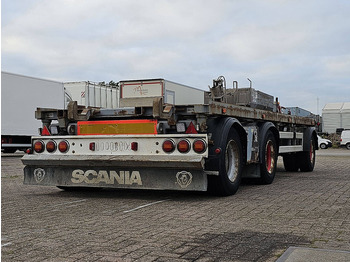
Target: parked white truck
(20,96)
(157,142)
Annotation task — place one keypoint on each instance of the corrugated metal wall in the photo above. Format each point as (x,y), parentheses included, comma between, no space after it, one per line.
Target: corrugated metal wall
(336,115)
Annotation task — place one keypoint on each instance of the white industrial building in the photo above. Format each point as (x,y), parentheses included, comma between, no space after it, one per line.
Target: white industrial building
(336,116)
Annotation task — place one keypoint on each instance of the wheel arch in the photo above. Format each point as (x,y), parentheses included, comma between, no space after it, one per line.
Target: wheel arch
(220,128)
(223,131)
(310,132)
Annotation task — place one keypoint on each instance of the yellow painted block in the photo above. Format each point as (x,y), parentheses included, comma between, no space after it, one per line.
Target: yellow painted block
(117,127)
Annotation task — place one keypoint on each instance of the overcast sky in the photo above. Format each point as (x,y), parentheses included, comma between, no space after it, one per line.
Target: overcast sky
(298,50)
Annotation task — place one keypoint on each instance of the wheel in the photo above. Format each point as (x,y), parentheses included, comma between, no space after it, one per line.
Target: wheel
(306,159)
(348,146)
(290,162)
(230,167)
(323,146)
(269,159)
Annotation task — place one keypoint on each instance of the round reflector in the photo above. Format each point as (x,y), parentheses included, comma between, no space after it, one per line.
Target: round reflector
(51,146)
(63,146)
(39,146)
(183,146)
(168,146)
(199,146)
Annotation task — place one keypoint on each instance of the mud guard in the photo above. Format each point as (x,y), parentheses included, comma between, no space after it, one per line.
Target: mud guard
(309,132)
(220,128)
(226,155)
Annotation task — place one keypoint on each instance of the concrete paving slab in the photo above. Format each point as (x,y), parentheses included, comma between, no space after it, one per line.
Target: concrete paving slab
(301,254)
(299,209)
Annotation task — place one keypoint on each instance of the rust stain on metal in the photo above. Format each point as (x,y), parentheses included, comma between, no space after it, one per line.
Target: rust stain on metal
(121,113)
(252,113)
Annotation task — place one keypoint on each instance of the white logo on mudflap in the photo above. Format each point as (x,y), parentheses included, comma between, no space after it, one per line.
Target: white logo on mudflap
(184,179)
(94,177)
(39,174)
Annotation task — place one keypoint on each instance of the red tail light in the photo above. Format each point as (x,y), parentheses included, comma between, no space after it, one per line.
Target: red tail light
(183,146)
(63,146)
(51,146)
(39,146)
(134,146)
(199,146)
(168,146)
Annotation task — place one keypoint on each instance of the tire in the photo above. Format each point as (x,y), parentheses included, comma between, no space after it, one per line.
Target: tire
(268,164)
(348,146)
(230,167)
(290,163)
(307,159)
(323,146)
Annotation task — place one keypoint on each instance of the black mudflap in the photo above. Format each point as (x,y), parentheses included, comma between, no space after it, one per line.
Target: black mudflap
(143,178)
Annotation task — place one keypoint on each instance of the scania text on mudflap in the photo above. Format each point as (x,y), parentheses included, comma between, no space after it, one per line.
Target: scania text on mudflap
(159,139)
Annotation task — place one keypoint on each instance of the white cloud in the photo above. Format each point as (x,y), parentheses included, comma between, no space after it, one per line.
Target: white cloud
(338,65)
(296,45)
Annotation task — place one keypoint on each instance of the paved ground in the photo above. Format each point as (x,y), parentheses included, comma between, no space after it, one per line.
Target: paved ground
(259,223)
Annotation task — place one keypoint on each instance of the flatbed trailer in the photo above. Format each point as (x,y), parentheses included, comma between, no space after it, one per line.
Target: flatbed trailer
(170,146)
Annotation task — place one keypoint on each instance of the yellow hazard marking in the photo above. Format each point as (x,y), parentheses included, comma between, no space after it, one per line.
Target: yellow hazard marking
(117,127)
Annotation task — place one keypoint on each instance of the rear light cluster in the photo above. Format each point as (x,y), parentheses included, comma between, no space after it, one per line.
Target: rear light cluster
(184,146)
(51,146)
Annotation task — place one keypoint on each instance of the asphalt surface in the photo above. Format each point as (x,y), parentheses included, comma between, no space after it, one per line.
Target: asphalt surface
(300,217)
